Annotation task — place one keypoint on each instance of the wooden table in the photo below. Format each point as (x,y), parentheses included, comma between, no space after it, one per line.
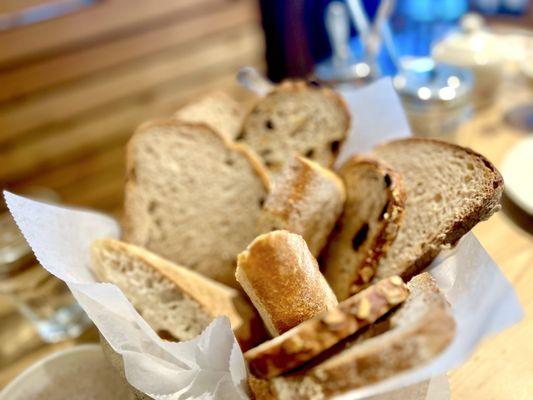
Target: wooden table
(502,366)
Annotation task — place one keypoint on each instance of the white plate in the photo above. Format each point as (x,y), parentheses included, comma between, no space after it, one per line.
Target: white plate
(517,171)
(80,373)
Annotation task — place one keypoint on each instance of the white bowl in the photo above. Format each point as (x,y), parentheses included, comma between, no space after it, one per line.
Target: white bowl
(80,373)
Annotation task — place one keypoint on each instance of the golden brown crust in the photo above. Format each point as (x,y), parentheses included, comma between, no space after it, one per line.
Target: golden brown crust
(307,199)
(305,341)
(282,279)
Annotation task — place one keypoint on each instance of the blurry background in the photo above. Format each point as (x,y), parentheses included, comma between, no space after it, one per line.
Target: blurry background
(78,76)
(73,88)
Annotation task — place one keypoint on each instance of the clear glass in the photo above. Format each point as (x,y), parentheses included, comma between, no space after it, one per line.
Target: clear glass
(39,296)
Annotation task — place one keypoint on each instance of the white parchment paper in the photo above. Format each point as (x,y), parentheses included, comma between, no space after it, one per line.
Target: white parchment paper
(211,366)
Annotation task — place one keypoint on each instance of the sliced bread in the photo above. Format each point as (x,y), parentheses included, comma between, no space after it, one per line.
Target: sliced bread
(281,277)
(305,341)
(420,329)
(296,117)
(192,196)
(176,302)
(306,199)
(449,189)
(216,110)
(369,224)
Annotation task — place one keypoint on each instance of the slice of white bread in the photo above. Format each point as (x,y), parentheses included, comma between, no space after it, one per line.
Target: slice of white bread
(305,341)
(419,330)
(176,302)
(216,110)
(306,199)
(281,277)
(449,189)
(369,224)
(192,196)
(296,117)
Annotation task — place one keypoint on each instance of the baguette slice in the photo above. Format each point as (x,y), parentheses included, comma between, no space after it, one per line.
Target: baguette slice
(306,199)
(449,190)
(305,341)
(216,110)
(369,224)
(281,277)
(176,302)
(419,330)
(296,117)
(192,196)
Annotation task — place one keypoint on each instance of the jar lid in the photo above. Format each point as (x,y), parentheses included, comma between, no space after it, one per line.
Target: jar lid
(472,45)
(422,83)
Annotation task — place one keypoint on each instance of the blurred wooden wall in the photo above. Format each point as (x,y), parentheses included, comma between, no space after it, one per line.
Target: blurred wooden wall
(73,89)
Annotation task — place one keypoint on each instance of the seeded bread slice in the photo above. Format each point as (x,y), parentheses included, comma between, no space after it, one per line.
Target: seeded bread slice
(306,199)
(369,224)
(281,277)
(176,302)
(216,110)
(192,196)
(296,117)
(449,189)
(312,337)
(419,330)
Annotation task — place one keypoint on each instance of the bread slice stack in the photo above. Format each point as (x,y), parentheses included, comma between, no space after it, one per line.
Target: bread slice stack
(176,302)
(192,196)
(413,335)
(296,117)
(305,199)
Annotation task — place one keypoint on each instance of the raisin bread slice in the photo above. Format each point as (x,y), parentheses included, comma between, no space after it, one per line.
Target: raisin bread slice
(306,199)
(192,196)
(449,189)
(216,110)
(296,117)
(418,331)
(369,224)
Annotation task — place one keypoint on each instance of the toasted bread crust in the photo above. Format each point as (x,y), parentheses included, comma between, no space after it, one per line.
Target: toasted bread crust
(312,337)
(282,279)
(307,199)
